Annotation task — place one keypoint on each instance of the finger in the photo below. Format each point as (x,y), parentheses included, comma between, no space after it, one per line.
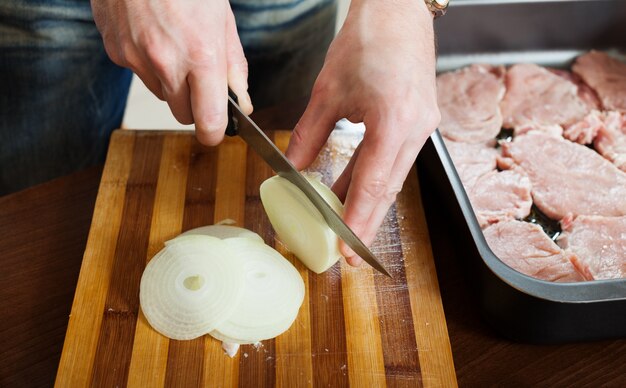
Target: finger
(400,170)
(311,133)
(177,97)
(237,65)
(209,96)
(369,182)
(340,187)
(144,71)
(152,82)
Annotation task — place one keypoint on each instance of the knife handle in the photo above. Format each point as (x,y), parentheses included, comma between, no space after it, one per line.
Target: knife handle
(232,127)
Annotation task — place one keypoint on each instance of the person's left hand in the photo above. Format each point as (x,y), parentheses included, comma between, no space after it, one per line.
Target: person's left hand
(380,70)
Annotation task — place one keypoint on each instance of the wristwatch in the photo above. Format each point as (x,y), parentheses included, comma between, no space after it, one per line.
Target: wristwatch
(437,7)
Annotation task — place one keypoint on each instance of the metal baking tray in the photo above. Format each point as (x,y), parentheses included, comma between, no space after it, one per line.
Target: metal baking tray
(550,33)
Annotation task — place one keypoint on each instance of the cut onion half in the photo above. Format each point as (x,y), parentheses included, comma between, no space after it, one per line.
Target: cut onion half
(273,294)
(191,286)
(298,223)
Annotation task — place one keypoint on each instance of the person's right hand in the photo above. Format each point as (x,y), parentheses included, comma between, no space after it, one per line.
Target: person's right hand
(186,52)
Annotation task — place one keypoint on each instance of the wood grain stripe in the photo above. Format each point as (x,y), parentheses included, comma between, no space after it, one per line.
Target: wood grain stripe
(294,364)
(328,338)
(86,316)
(258,368)
(431,333)
(185,361)
(230,198)
(149,356)
(366,367)
(401,362)
(122,304)
(328,326)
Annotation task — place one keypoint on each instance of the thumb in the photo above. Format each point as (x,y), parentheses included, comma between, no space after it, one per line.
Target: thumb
(237,65)
(311,133)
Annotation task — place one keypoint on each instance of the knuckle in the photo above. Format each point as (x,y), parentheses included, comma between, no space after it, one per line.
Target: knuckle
(297,137)
(323,88)
(201,55)
(212,121)
(432,118)
(375,189)
(391,194)
(115,52)
(160,58)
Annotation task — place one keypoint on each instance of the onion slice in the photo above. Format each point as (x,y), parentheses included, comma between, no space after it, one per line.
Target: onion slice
(191,286)
(222,231)
(273,294)
(298,223)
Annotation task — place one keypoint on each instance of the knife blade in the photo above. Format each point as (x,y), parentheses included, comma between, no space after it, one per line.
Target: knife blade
(242,125)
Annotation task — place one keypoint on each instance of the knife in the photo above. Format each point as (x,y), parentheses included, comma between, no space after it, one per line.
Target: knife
(240,124)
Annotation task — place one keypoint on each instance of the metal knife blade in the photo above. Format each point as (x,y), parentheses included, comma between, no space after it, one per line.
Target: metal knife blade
(262,145)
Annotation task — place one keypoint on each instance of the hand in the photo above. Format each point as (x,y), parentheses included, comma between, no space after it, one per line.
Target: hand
(380,70)
(186,52)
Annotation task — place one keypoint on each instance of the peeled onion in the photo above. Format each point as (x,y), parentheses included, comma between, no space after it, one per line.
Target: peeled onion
(272,296)
(191,286)
(298,223)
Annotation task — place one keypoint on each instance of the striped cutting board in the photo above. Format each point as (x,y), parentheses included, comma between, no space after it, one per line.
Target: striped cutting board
(356,327)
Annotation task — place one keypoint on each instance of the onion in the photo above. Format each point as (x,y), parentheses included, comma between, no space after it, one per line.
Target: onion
(191,286)
(273,294)
(223,231)
(298,223)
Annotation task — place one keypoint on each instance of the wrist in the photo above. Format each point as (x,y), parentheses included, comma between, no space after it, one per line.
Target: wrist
(415,7)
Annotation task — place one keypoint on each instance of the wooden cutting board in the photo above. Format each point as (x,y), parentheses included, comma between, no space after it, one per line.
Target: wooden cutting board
(355,328)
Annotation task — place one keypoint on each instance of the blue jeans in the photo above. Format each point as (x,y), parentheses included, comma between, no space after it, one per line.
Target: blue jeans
(61,97)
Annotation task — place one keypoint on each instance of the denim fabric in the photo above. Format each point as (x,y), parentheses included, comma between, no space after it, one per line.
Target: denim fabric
(61,97)
(285,42)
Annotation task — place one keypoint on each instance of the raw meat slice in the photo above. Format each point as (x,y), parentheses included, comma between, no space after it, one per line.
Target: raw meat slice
(606,75)
(501,195)
(540,98)
(472,160)
(586,94)
(553,130)
(567,177)
(611,139)
(599,243)
(526,248)
(584,131)
(469,101)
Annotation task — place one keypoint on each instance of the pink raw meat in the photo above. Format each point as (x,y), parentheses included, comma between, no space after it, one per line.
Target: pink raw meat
(584,131)
(539,98)
(599,243)
(501,195)
(526,248)
(586,94)
(472,160)
(567,177)
(611,139)
(469,103)
(606,75)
